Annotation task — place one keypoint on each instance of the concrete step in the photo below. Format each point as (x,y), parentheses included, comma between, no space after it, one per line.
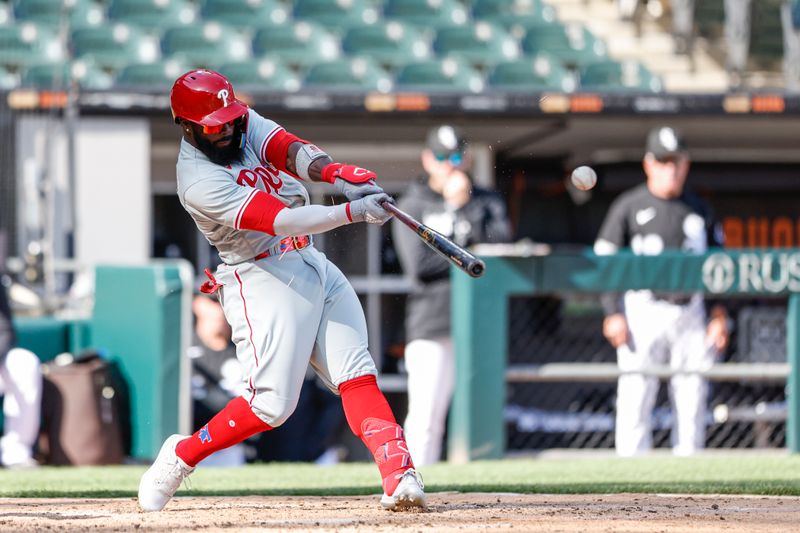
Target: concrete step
(652,46)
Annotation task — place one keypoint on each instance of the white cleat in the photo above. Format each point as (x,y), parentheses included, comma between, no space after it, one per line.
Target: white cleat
(408,494)
(163,478)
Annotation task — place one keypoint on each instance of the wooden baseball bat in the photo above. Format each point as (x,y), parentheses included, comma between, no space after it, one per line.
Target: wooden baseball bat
(439,243)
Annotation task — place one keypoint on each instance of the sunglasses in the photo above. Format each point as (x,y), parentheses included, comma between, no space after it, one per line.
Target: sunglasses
(213,130)
(456,158)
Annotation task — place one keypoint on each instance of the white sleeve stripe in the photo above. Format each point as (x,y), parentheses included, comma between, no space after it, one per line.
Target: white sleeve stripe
(242,209)
(269,137)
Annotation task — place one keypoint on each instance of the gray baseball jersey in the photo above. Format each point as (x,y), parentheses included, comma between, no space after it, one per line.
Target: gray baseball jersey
(206,192)
(286,310)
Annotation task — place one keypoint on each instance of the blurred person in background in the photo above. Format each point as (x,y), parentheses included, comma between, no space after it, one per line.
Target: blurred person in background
(447,201)
(649,328)
(21,386)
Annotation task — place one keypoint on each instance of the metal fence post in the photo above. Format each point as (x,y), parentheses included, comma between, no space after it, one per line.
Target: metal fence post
(793,384)
(480,341)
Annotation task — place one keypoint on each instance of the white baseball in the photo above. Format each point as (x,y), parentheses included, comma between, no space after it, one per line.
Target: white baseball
(584,178)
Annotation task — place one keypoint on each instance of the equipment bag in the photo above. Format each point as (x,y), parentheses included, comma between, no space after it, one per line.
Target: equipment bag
(82,412)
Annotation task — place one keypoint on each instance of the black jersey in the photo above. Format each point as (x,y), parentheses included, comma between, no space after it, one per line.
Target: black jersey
(648,225)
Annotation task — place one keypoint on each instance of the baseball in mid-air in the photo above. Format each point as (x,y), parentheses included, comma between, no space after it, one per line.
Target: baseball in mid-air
(584,178)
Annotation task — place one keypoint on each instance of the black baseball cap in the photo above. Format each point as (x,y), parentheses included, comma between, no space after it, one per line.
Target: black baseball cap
(445,140)
(664,142)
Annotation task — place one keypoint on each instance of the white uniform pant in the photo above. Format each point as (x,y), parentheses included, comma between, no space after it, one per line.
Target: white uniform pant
(662,332)
(286,311)
(21,386)
(431,376)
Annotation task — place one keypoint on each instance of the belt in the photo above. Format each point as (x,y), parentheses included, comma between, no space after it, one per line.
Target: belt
(287,244)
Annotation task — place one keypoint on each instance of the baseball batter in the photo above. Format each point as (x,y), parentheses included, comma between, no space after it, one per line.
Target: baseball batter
(649,328)
(238,177)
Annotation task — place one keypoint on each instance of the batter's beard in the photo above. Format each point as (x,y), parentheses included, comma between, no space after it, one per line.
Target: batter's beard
(225,155)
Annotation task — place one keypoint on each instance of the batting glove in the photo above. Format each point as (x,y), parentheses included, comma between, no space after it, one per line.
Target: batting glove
(356,191)
(370,210)
(350,173)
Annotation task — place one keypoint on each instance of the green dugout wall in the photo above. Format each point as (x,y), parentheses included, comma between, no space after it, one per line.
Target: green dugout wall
(142,323)
(480,319)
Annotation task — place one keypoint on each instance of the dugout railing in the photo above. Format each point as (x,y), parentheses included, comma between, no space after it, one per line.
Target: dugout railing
(481,334)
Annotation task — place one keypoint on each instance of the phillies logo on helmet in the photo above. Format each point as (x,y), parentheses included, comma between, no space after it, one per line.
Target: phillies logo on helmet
(223,95)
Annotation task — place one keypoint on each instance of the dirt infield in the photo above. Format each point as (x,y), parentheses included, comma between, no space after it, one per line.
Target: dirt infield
(447,512)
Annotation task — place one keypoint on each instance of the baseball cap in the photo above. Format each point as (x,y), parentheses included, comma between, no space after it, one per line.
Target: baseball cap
(665,141)
(445,140)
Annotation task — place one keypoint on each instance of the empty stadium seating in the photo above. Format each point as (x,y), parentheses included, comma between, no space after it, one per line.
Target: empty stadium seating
(205,45)
(149,14)
(616,76)
(244,13)
(391,44)
(113,46)
(448,75)
(60,75)
(261,74)
(300,44)
(359,74)
(285,45)
(541,73)
(157,77)
(27,44)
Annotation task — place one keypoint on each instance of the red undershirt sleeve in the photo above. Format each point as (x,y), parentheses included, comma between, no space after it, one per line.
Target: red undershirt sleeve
(258,212)
(276,148)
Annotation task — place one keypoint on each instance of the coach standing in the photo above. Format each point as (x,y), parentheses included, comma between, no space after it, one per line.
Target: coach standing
(649,328)
(446,200)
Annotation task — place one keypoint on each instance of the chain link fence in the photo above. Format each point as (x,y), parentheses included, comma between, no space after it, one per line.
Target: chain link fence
(578,412)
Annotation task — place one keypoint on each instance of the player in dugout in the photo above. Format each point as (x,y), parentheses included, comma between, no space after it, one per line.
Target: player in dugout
(239,177)
(649,328)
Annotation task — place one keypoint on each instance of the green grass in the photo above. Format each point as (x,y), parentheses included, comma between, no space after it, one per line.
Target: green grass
(735,474)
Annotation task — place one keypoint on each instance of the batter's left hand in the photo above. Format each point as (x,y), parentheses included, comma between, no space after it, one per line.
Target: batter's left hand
(356,191)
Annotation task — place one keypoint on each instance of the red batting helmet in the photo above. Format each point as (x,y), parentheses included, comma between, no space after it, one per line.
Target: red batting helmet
(205,97)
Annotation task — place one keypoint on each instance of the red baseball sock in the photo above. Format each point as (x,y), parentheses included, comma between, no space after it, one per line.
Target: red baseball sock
(232,425)
(371,419)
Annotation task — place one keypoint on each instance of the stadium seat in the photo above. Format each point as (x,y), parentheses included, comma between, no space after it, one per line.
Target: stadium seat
(299,44)
(618,76)
(514,15)
(244,13)
(391,44)
(52,12)
(261,74)
(351,74)
(336,15)
(766,34)
(426,13)
(28,44)
(156,77)
(7,79)
(541,73)
(150,14)
(448,75)
(572,44)
(480,44)
(113,46)
(57,76)
(205,45)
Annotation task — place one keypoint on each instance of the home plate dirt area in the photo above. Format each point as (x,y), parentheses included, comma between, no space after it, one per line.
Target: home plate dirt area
(447,511)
